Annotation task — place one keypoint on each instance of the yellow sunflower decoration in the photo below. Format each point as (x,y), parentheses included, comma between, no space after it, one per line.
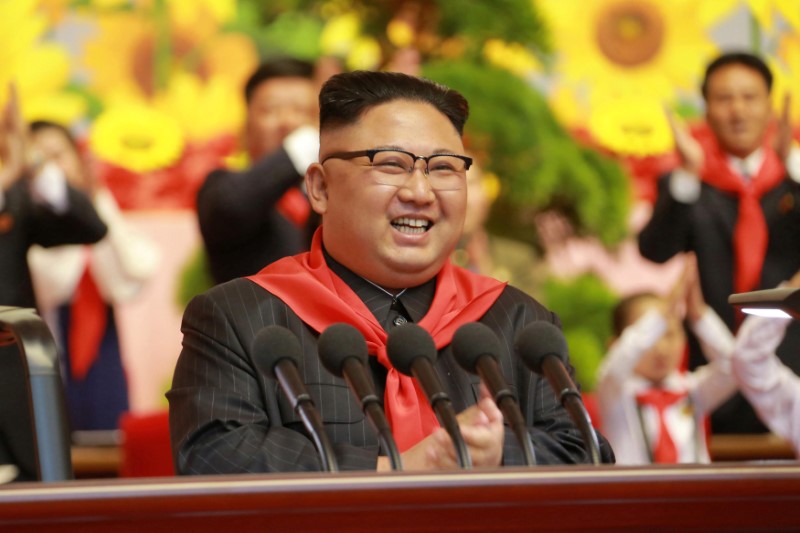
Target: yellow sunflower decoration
(220,102)
(342,37)
(511,56)
(625,48)
(764,12)
(137,137)
(40,70)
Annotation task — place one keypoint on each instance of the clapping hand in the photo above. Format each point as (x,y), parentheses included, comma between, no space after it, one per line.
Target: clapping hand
(686,297)
(689,149)
(12,141)
(783,138)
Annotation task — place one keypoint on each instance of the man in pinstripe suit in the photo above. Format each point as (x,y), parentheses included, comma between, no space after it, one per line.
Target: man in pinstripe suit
(379,260)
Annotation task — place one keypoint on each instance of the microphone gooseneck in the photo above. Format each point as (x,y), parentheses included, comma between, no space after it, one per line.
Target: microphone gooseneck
(412,352)
(343,352)
(276,353)
(476,348)
(543,349)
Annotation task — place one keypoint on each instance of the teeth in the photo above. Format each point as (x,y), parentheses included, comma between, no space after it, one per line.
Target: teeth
(411,225)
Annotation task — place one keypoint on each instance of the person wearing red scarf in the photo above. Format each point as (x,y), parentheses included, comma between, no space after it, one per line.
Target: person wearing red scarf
(251,217)
(735,202)
(390,220)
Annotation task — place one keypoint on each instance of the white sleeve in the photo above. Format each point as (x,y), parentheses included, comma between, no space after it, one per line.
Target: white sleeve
(124,259)
(713,383)
(793,164)
(684,186)
(50,186)
(302,146)
(771,388)
(715,338)
(623,355)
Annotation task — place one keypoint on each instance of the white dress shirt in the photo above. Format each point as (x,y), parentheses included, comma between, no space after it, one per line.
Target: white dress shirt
(685,186)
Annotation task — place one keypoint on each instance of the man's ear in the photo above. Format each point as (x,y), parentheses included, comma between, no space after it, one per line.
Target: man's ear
(317,188)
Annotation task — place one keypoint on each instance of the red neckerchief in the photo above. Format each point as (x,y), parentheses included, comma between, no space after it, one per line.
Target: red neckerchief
(320,298)
(664,450)
(87,324)
(751,235)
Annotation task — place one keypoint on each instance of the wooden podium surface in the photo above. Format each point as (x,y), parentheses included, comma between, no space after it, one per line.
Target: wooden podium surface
(727,497)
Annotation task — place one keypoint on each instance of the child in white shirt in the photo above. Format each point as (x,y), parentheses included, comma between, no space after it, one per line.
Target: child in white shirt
(644,363)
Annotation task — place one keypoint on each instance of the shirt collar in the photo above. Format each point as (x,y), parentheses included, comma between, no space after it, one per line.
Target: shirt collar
(747,166)
(416,300)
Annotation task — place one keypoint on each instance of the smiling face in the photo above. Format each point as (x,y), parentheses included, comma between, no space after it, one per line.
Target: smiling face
(738,108)
(56,147)
(395,236)
(277,107)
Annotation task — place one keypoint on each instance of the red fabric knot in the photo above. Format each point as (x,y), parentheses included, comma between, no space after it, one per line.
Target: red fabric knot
(664,450)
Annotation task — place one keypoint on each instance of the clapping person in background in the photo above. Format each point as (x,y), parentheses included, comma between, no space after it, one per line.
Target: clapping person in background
(652,411)
(77,288)
(254,216)
(37,206)
(771,388)
(735,202)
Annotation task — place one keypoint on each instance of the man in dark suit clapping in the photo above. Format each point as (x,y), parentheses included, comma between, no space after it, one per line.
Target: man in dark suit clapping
(390,186)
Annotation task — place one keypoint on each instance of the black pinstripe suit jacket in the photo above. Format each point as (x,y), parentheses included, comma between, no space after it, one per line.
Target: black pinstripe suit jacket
(226,418)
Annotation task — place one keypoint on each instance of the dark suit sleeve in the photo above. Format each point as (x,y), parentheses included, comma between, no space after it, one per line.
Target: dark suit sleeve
(225,418)
(79,224)
(669,230)
(555,437)
(232,206)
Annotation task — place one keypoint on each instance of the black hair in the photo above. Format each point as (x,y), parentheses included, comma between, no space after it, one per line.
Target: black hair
(738,58)
(347,96)
(620,317)
(281,67)
(40,125)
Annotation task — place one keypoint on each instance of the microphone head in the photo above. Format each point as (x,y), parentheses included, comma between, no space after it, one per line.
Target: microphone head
(272,344)
(539,340)
(338,343)
(408,342)
(473,340)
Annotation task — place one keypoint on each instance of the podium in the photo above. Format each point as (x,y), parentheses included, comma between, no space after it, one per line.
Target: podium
(729,497)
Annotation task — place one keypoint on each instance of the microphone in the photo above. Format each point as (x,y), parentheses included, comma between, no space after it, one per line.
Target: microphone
(543,348)
(276,352)
(412,352)
(475,347)
(343,352)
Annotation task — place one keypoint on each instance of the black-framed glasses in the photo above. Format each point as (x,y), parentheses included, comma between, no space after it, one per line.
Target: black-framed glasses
(393,167)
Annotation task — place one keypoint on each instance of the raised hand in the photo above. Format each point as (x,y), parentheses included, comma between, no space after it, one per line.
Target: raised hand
(12,140)
(695,303)
(689,149)
(782,143)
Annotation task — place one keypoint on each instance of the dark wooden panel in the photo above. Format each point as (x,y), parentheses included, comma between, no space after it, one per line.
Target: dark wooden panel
(735,497)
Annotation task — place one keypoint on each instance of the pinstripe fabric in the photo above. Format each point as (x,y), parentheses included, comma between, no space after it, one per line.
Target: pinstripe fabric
(225,418)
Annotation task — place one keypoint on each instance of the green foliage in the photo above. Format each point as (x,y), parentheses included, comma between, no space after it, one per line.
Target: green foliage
(585,306)
(291,33)
(476,22)
(539,164)
(586,353)
(194,278)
